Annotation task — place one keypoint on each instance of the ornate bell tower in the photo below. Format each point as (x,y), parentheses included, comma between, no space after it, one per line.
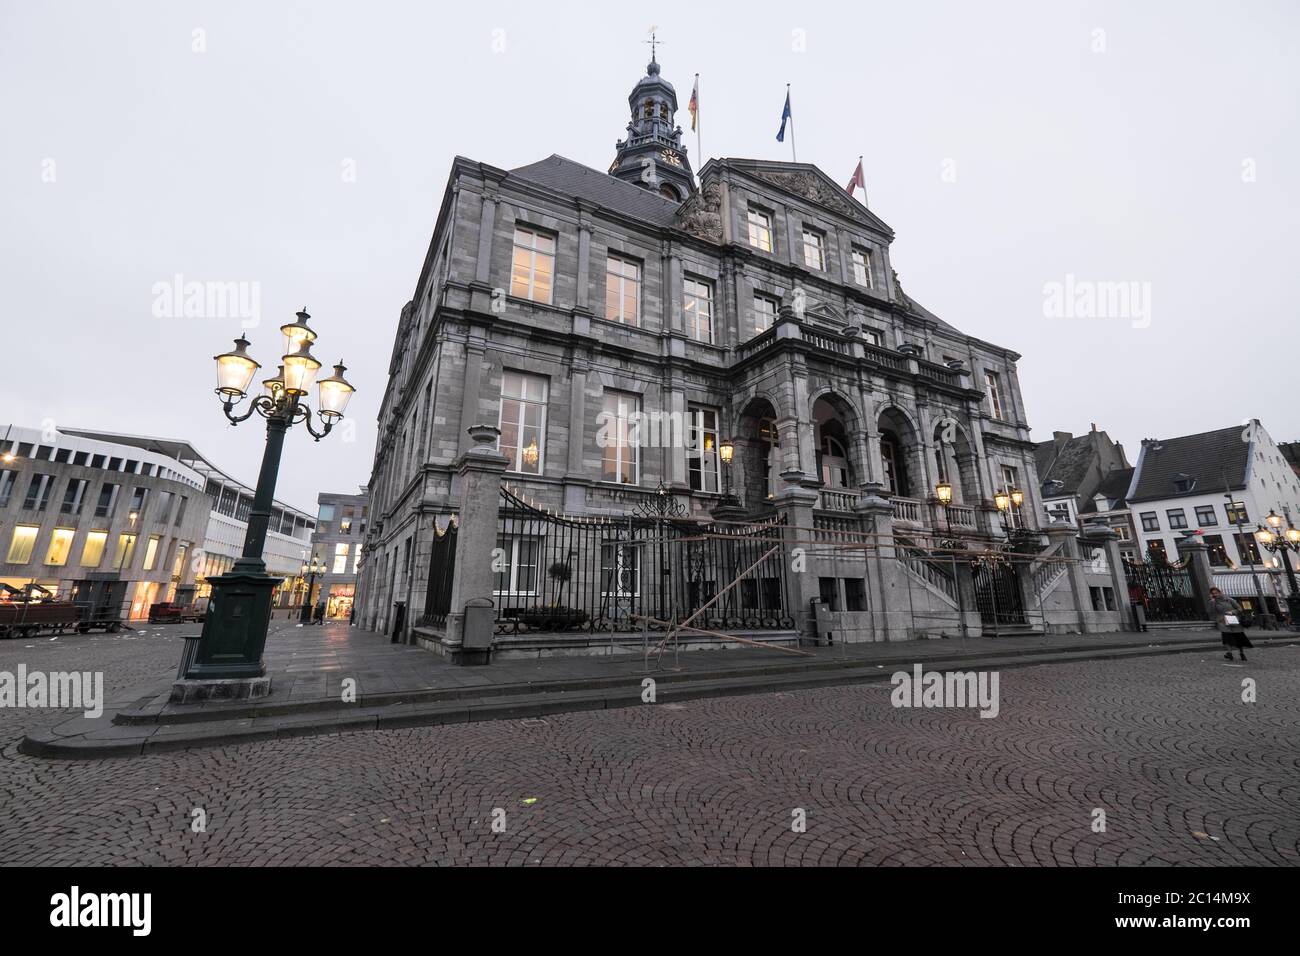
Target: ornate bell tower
(652,156)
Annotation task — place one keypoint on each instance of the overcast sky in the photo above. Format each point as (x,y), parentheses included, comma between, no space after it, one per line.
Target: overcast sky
(304,147)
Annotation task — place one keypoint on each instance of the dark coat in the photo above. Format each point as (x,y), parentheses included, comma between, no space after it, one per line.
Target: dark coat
(1234,635)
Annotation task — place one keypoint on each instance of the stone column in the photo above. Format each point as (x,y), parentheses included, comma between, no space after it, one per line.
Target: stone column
(469,412)
(479,470)
(885,577)
(1197,554)
(1065,535)
(795,503)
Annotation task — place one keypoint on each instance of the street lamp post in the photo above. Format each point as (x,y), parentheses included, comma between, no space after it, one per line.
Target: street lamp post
(1008,502)
(234,631)
(310,571)
(1237,512)
(1276,541)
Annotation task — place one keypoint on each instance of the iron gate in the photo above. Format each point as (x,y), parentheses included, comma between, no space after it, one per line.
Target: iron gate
(997,592)
(442,571)
(1164,589)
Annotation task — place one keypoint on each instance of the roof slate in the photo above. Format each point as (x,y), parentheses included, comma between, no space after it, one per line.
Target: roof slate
(1207,458)
(574,179)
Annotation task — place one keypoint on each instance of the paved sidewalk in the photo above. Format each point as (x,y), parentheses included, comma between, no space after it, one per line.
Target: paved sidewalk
(398,686)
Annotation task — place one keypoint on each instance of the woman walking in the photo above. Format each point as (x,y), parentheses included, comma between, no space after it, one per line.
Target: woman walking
(1227,613)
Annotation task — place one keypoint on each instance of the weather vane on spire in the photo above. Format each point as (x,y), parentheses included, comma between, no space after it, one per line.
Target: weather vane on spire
(653,41)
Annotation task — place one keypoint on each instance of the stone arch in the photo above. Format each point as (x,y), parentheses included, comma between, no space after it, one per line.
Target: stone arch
(955,460)
(837,439)
(901,449)
(758,460)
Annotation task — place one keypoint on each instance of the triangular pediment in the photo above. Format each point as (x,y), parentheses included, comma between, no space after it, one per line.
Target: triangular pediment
(807,182)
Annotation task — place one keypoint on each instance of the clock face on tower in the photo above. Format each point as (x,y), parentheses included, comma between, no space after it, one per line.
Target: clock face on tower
(669,157)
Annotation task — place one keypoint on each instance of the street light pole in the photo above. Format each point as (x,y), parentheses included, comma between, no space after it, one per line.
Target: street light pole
(239,612)
(1279,542)
(313,569)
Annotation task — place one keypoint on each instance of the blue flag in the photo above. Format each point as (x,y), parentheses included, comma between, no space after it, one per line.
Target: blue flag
(785,115)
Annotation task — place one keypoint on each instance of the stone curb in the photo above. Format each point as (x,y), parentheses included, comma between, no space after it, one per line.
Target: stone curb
(137,739)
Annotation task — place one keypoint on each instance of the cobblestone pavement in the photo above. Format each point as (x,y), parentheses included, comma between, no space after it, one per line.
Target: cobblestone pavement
(1185,771)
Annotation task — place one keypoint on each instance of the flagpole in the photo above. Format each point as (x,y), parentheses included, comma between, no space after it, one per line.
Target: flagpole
(794,157)
(699,126)
(864,181)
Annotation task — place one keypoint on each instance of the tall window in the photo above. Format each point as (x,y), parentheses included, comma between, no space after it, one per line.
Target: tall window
(139,497)
(622,290)
(125,551)
(862,267)
(702,449)
(60,546)
(873,338)
(73,495)
(180,510)
(7,481)
(1247,548)
(21,544)
(151,552)
(993,385)
(38,492)
(532,270)
(523,421)
(765,312)
(621,459)
(107,502)
(760,230)
(92,552)
(835,463)
(698,308)
(1217,552)
(814,250)
(340,565)
(517,572)
(165,509)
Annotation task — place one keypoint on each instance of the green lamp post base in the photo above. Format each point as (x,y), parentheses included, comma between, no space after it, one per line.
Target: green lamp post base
(234,630)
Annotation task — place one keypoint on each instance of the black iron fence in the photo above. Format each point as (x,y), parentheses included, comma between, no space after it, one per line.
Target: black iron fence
(442,571)
(1164,589)
(556,573)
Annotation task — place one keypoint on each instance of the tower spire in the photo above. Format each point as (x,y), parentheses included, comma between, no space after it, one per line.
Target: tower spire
(653,156)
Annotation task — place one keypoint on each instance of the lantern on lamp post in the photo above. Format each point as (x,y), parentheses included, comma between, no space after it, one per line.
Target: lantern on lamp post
(234,630)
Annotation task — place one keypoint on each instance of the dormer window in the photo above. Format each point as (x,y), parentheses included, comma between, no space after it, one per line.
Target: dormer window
(1184,483)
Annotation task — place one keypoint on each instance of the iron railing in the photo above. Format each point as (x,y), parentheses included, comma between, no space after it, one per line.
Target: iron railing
(559,573)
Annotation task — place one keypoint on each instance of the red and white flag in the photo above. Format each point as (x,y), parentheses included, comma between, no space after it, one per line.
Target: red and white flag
(694,105)
(858,180)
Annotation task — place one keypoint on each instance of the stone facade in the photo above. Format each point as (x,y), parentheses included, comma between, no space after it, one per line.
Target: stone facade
(813,361)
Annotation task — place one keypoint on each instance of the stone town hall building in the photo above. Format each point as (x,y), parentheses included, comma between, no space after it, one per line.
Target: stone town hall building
(562,303)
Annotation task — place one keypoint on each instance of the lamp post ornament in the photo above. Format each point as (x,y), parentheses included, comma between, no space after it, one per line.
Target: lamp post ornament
(234,631)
